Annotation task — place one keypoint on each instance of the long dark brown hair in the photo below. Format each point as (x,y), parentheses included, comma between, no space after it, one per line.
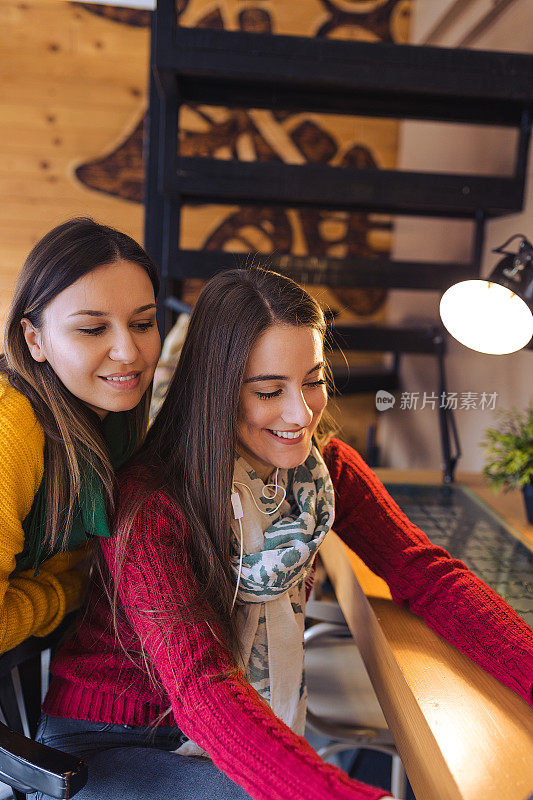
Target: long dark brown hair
(190,448)
(72,431)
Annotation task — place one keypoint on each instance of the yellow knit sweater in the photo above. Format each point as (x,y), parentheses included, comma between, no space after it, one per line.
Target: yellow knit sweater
(29,606)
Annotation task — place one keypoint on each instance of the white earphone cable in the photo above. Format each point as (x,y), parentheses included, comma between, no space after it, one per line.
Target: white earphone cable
(266,495)
(240,566)
(239,514)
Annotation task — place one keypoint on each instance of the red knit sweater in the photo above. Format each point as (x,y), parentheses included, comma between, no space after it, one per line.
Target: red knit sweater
(94,679)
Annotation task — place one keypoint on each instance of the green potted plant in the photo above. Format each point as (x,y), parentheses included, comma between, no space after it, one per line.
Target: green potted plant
(509,454)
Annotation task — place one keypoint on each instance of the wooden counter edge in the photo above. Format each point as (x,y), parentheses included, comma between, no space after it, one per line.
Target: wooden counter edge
(430,777)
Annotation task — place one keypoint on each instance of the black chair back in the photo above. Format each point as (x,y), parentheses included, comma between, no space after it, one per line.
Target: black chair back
(25,765)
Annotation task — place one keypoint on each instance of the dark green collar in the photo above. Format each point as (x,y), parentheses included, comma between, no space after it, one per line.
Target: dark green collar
(90,515)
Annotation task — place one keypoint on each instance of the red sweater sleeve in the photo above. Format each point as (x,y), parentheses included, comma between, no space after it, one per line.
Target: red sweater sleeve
(424,577)
(224,715)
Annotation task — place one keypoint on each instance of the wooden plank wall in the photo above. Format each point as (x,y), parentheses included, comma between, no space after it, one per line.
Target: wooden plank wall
(73,86)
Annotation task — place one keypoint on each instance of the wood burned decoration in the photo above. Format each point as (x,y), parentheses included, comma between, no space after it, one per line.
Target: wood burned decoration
(383,20)
(120,173)
(248,227)
(127,16)
(263,135)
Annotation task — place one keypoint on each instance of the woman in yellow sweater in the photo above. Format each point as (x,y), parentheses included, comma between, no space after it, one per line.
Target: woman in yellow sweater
(80,349)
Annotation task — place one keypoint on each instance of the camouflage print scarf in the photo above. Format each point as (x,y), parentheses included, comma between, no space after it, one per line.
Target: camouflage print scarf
(278,554)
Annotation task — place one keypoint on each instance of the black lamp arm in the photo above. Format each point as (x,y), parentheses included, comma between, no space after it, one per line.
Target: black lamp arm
(525,244)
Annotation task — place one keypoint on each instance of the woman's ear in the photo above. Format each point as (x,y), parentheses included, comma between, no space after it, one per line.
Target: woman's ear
(34,341)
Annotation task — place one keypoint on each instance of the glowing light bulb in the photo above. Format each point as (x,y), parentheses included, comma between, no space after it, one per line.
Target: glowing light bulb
(486,317)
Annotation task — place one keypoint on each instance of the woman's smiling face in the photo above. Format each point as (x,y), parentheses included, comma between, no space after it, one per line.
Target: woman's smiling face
(100,338)
(282,398)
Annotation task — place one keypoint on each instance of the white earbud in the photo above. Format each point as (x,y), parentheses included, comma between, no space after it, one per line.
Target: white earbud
(238,514)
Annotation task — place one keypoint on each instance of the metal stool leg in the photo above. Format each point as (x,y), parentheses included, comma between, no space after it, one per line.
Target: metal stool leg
(398,778)
(334,748)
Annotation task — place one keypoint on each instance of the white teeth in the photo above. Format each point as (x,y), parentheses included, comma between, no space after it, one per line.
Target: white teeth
(287,434)
(119,380)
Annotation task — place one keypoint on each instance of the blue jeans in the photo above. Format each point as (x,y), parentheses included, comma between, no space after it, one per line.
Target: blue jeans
(135,763)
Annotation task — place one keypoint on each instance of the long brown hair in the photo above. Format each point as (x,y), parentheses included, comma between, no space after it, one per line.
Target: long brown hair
(72,433)
(190,448)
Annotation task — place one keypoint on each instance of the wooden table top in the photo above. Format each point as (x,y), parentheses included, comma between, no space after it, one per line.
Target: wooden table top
(460,733)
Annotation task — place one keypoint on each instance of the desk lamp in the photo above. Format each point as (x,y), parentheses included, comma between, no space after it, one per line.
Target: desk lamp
(494,315)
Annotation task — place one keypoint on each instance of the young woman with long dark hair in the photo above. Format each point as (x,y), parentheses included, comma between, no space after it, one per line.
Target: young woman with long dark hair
(80,342)
(196,619)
